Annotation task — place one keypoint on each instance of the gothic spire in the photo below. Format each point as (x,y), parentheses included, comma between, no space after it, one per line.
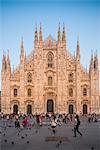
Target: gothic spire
(4,57)
(96,57)
(22,51)
(21,42)
(4,63)
(25,56)
(8,63)
(91,61)
(40,33)
(96,60)
(36,34)
(22,47)
(91,56)
(78,47)
(8,59)
(59,34)
(63,34)
(13,68)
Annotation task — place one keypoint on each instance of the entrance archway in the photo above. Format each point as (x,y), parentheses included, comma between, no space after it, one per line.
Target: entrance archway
(71,109)
(84,109)
(29,109)
(50,105)
(15,109)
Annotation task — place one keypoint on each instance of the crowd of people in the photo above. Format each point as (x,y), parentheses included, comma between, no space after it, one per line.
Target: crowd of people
(92,118)
(22,121)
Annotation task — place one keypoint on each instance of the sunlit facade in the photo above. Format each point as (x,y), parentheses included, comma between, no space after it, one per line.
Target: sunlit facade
(50,79)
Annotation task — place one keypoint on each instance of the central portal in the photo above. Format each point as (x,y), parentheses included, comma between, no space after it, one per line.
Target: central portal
(50,105)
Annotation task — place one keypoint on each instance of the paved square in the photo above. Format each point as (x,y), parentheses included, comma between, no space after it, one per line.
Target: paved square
(42,139)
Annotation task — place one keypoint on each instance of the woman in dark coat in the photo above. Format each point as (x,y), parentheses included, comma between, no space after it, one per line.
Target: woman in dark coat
(76,126)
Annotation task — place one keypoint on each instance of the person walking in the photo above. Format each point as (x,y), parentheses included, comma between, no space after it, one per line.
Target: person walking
(41,120)
(53,126)
(76,126)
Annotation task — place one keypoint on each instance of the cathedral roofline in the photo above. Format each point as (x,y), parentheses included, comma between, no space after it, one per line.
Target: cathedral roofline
(50,38)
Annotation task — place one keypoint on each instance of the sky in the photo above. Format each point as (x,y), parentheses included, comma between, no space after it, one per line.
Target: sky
(18,18)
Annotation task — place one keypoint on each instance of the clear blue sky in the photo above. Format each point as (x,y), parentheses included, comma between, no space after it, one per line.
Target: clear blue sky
(18,18)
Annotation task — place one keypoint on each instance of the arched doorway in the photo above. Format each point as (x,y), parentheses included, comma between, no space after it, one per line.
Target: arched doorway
(84,109)
(15,109)
(29,109)
(50,106)
(71,109)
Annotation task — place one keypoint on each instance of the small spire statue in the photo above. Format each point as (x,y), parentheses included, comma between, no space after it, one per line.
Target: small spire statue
(63,34)
(59,34)
(36,34)
(40,34)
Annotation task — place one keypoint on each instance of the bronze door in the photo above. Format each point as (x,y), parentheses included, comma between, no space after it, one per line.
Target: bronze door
(15,109)
(29,109)
(71,111)
(84,109)
(50,106)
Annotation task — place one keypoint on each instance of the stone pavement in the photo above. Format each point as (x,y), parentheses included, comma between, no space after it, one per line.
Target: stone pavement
(35,138)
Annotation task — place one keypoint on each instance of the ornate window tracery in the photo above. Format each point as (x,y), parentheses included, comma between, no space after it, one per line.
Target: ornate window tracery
(50,60)
(71,77)
(29,92)
(29,77)
(84,92)
(15,92)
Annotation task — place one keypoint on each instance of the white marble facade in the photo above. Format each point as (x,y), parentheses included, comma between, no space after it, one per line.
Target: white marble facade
(50,79)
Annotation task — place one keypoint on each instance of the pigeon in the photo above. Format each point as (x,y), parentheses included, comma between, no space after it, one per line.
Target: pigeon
(12,142)
(36,131)
(60,142)
(92,148)
(5,141)
(57,145)
(27,142)
(22,137)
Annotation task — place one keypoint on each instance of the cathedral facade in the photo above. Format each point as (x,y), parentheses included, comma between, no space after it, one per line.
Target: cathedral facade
(50,79)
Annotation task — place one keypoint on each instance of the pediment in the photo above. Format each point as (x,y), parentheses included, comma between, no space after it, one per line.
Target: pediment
(49,41)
